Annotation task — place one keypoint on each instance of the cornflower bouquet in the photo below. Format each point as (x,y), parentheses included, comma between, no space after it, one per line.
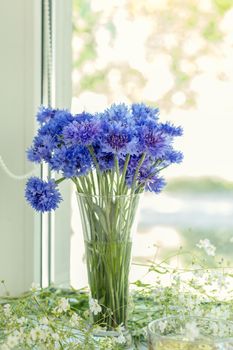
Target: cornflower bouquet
(111,157)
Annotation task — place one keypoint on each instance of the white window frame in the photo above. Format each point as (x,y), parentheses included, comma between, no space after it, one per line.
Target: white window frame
(23,259)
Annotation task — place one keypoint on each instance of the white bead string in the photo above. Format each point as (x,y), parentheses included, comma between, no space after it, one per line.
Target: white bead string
(12,175)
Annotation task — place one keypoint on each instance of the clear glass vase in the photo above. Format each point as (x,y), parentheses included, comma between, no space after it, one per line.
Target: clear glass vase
(108,224)
(190,333)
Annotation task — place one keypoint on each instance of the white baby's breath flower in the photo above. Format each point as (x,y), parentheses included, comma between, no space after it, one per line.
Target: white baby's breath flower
(214,328)
(37,334)
(219,312)
(55,336)
(94,306)
(7,310)
(207,246)
(120,328)
(35,287)
(74,320)
(192,331)
(120,339)
(63,305)
(44,321)
(12,341)
(22,320)
(33,334)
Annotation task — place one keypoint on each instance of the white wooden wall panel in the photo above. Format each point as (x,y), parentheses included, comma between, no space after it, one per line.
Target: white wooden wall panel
(20,74)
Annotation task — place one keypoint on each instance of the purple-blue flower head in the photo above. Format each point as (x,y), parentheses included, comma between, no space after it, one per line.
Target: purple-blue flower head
(173,156)
(72,161)
(43,196)
(105,161)
(153,142)
(83,117)
(44,114)
(133,165)
(41,149)
(118,140)
(82,133)
(171,129)
(118,114)
(55,126)
(143,113)
(155,184)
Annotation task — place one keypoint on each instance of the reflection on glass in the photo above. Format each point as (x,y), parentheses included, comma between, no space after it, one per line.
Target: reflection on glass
(190,333)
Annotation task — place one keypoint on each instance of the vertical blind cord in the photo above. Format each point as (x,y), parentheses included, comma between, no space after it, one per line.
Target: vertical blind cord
(48,50)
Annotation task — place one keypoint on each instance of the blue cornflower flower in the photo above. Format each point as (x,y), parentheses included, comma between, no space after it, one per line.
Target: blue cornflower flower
(44,114)
(117,113)
(153,141)
(173,156)
(118,140)
(155,184)
(72,161)
(132,166)
(55,126)
(143,113)
(105,161)
(41,149)
(170,129)
(83,117)
(43,196)
(83,133)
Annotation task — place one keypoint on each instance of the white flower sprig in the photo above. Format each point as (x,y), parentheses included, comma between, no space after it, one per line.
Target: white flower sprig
(209,248)
(95,308)
(55,319)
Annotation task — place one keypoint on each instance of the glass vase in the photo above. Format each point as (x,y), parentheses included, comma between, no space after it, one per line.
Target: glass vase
(108,224)
(190,333)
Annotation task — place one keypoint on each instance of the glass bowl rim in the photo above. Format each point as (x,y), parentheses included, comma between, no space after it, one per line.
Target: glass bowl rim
(217,339)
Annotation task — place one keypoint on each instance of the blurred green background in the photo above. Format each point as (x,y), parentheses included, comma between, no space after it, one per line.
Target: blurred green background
(176,55)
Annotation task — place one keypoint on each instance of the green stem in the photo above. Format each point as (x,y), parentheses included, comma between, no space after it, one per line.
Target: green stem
(127,159)
(137,172)
(116,162)
(60,180)
(98,171)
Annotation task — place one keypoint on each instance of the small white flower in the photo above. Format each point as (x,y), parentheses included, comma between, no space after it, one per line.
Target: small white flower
(121,328)
(44,321)
(94,306)
(12,341)
(33,334)
(35,287)
(22,320)
(207,246)
(55,336)
(74,320)
(7,310)
(214,328)
(120,339)
(162,326)
(192,331)
(63,305)
(37,334)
